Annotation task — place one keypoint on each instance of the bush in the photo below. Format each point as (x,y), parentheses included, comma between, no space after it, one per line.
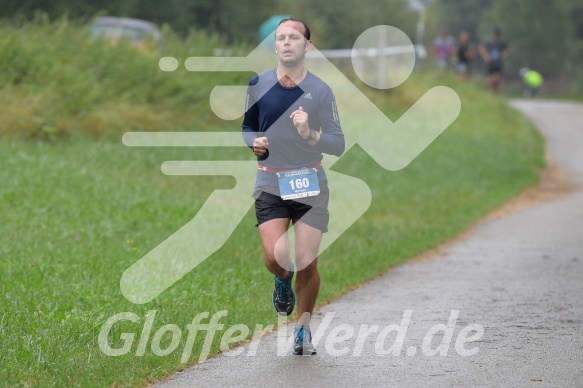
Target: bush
(56,82)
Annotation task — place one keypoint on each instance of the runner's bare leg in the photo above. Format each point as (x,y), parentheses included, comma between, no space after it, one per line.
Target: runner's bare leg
(307,243)
(270,232)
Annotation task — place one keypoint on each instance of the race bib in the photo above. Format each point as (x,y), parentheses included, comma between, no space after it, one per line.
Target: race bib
(298,183)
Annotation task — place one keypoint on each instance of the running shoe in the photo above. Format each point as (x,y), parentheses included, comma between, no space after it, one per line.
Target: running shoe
(284,298)
(303,341)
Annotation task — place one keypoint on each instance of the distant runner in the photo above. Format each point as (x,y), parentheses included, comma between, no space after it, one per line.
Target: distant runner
(494,52)
(533,81)
(443,49)
(464,55)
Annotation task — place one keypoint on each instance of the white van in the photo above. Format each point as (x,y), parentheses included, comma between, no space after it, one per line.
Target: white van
(138,33)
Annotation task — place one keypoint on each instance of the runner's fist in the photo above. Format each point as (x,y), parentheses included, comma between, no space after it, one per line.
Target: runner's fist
(260,145)
(300,119)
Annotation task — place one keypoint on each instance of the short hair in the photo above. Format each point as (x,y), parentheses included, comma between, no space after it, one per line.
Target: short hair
(307,33)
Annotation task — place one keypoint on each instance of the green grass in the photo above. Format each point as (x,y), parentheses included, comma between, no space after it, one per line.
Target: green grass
(75,212)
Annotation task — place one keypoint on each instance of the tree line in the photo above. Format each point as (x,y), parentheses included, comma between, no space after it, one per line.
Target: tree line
(545,35)
(334,24)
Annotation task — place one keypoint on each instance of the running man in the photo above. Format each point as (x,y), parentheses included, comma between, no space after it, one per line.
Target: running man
(443,49)
(464,55)
(290,120)
(494,52)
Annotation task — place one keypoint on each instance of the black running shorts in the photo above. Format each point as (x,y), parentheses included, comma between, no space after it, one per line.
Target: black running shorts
(310,210)
(494,67)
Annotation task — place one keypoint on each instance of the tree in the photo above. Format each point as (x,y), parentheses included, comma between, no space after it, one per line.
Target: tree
(343,22)
(540,32)
(458,16)
(336,24)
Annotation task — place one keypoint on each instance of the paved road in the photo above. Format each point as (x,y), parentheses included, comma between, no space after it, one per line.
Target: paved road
(516,283)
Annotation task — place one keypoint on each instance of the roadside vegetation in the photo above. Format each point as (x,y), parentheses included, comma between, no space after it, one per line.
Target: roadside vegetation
(77,207)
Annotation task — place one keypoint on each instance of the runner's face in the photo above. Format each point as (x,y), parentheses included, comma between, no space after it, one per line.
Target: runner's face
(290,43)
(464,37)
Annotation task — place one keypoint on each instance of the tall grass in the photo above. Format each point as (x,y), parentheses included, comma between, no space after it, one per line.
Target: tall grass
(55,81)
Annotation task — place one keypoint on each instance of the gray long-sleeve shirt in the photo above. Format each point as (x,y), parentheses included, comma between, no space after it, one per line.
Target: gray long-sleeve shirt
(267,113)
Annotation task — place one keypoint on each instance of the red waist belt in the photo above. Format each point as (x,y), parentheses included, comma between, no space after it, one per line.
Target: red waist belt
(269,169)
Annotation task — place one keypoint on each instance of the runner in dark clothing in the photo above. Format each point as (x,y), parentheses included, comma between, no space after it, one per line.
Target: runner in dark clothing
(494,52)
(464,55)
(291,119)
